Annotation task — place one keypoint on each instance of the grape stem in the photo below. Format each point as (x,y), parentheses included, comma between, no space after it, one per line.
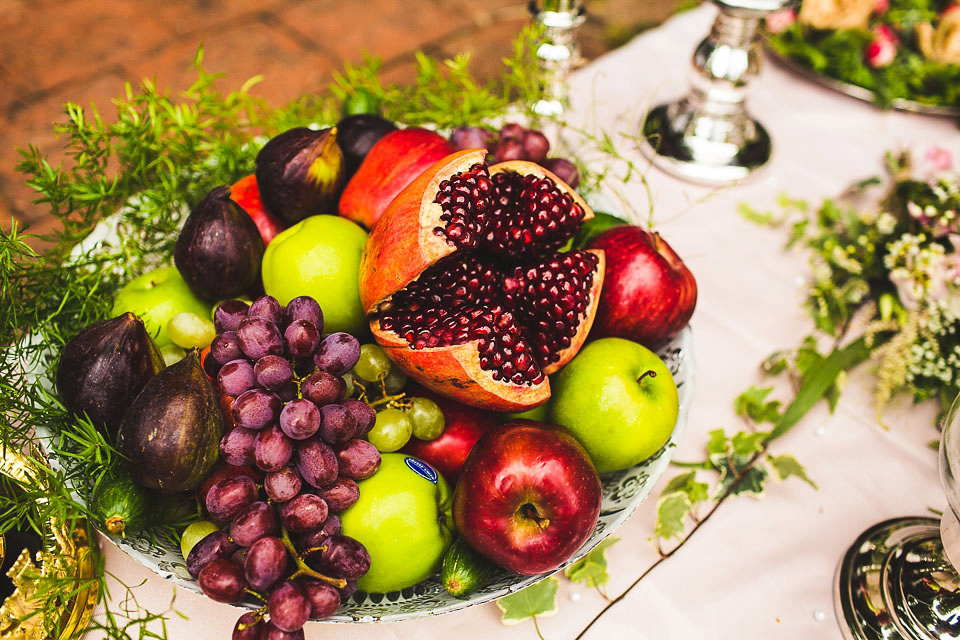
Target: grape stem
(396,401)
(302,568)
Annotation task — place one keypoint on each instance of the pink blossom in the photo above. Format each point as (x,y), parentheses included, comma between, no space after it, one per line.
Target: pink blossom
(938,159)
(883,49)
(780,21)
(879,6)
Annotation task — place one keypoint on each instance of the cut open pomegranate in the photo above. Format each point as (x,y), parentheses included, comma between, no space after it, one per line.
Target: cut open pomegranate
(466,288)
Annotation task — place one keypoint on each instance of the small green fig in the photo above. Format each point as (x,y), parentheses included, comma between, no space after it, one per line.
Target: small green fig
(301,173)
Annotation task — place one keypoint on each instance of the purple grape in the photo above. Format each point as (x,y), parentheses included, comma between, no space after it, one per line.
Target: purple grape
(337,353)
(364,415)
(216,544)
(266,563)
(250,626)
(344,557)
(535,146)
(288,607)
(236,446)
(228,315)
(305,512)
(337,423)
(272,449)
(230,496)
(300,419)
(273,372)
(274,633)
(225,347)
(512,130)
(239,556)
(470,137)
(305,308)
(221,580)
(268,308)
(316,462)
(322,388)
(348,589)
(282,485)
(288,392)
(341,495)
(563,169)
(509,149)
(301,339)
(211,366)
(257,520)
(323,599)
(314,539)
(235,377)
(256,408)
(259,337)
(358,459)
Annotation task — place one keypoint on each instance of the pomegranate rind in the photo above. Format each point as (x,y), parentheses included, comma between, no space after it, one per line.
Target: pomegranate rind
(402,243)
(454,371)
(586,322)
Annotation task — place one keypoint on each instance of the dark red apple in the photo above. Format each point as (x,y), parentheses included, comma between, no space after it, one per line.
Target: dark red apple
(463,427)
(528,497)
(246,194)
(648,292)
(391,164)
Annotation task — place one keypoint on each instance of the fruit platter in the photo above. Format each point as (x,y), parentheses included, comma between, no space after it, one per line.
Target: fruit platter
(395,371)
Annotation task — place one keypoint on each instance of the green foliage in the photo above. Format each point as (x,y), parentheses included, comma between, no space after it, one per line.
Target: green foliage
(539,599)
(591,569)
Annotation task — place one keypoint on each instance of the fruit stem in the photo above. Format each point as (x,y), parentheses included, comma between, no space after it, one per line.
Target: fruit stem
(115,524)
(530,512)
(648,372)
(302,568)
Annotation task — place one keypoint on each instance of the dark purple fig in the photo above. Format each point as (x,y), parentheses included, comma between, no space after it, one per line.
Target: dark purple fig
(105,365)
(219,249)
(356,134)
(171,433)
(300,173)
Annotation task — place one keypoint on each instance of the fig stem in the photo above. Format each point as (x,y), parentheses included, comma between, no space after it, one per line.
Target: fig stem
(302,568)
(648,372)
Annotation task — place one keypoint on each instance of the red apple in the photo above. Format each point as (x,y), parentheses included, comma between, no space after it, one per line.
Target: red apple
(390,165)
(648,292)
(528,497)
(246,194)
(463,427)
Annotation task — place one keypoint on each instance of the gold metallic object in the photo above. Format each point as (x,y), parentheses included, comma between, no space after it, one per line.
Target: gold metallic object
(66,561)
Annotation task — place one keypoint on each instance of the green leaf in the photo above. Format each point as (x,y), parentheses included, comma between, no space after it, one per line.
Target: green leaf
(717,444)
(671,511)
(539,599)
(747,443)
(742,481)
(592,568)
(753,404)
(759,217)
(785,466)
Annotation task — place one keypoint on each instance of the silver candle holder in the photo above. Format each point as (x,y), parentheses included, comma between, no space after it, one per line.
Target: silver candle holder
(708,137)
(557,52)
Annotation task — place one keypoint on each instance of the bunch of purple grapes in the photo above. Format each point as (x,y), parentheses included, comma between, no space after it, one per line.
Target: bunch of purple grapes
(513,141)
(281,544)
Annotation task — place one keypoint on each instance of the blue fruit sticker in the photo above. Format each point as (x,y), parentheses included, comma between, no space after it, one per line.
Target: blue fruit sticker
(422,469)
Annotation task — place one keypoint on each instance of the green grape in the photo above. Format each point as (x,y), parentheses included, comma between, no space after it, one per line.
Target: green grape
(373,363)
(391,431)
(194,533)
(395,381)
(348,385)
(172,354)
(427,418)
(190,330)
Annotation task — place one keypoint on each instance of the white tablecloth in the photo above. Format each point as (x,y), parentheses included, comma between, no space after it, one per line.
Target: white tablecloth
(757,568)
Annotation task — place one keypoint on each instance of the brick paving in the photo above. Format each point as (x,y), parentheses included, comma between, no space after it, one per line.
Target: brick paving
(84,51)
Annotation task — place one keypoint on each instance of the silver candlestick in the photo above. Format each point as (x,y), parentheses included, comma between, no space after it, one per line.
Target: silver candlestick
(708,136)
(557,51)
(898,580)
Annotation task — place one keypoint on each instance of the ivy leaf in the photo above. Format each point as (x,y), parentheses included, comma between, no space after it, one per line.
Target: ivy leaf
(742,481)
(786,466)
(591,569)
(759,217)
(687,483)
(671,511)
(539,599)
(717,444)
(753,404)
(747,443)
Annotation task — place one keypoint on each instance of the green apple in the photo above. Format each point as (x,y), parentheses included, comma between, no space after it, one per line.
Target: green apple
(403,517)
(157,296)
(619,399)
(319,257)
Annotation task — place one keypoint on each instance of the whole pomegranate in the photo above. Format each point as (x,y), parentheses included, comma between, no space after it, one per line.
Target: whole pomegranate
(464,285)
